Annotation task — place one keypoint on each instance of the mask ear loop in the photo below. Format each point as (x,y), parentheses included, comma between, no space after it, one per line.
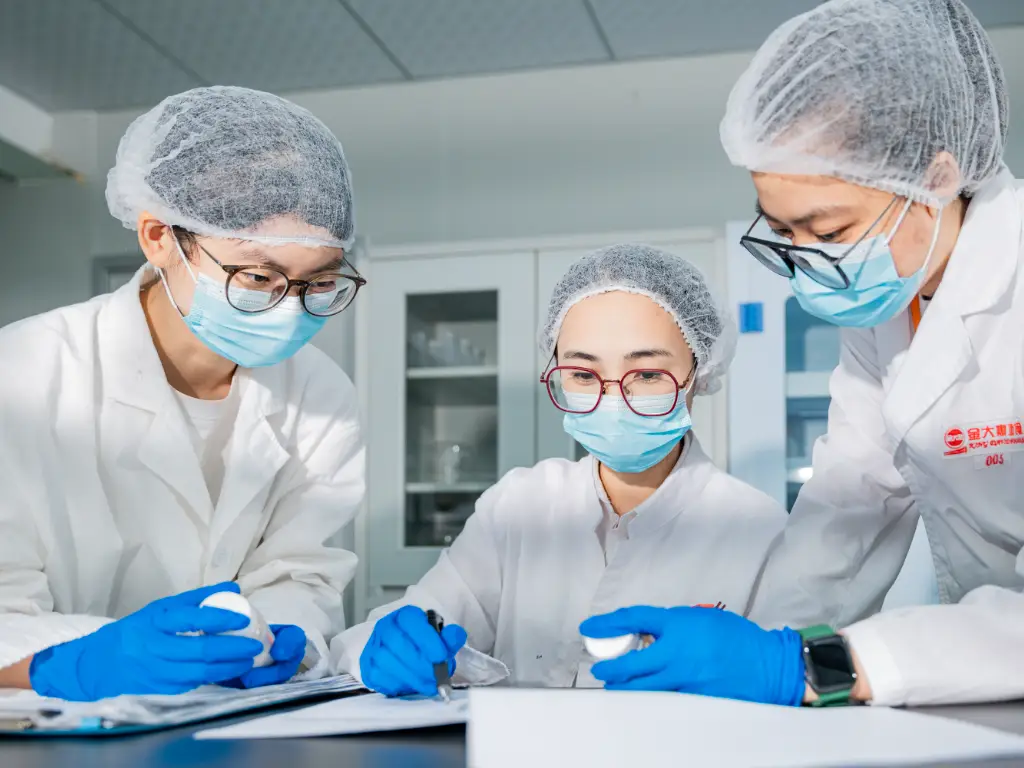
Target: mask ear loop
(163,278)
(931,248)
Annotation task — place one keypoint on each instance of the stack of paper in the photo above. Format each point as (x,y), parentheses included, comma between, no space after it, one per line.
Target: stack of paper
(362,714)
(200,704)
(511,728)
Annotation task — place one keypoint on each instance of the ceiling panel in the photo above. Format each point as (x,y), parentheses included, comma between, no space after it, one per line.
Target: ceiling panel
(72,55)
(690,27)
(997,13)
(267,44)
(457,37)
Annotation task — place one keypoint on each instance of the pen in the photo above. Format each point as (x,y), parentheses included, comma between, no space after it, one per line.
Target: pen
(444,681)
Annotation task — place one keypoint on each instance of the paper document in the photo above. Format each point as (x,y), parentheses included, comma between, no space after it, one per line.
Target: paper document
(200,704)
(516,727)
(359,714)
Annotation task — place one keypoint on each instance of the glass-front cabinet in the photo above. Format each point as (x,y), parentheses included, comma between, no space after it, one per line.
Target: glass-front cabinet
(450,402)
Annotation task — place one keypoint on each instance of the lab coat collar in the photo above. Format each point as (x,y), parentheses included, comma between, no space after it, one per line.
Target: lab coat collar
(686,481)
(980,272)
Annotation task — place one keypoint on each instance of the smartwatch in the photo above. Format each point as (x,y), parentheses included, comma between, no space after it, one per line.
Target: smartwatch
(828,666)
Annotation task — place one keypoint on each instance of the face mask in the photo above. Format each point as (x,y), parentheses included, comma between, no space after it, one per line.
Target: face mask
(876,293)
(249,340)
(622,440)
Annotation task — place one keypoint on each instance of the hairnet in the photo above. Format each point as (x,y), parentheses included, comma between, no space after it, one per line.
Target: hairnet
(870,91)
(228,162)
(670,281)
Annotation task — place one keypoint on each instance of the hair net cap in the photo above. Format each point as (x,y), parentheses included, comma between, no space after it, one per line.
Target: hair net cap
(670,281)
(233,162)
(871,91)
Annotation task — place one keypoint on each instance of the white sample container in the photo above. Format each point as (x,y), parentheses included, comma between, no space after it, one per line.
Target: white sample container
(604,648)
(257,628)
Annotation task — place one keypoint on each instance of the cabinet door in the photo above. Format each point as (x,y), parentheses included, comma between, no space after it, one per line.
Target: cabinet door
(708,412)
(451,399)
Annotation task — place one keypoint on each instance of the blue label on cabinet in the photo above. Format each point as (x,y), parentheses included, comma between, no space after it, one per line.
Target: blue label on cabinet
(752,317)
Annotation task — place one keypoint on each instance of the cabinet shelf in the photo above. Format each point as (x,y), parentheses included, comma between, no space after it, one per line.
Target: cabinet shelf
(805,384)
(453,372)
(468,486)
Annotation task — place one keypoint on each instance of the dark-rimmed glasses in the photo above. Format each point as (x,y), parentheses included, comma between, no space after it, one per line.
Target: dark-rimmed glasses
(784,259)
(253,289)
(645,391)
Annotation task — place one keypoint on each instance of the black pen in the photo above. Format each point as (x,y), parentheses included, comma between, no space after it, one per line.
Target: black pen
(444,680)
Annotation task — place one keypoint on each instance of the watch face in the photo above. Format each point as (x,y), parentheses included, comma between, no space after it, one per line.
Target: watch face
(828,664)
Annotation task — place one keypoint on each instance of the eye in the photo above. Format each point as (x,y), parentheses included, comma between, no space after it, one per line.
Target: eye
(254,278)
(831,237)
(782,234)
(583,377)
(650,376)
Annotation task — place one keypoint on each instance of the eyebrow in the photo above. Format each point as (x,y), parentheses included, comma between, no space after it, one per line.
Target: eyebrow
(259,255)
(575,354)
(808,218)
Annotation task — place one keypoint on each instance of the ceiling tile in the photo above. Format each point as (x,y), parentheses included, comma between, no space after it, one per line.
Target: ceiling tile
(690,27)
(73,55)
(267,44)
(457,37)
(997,13)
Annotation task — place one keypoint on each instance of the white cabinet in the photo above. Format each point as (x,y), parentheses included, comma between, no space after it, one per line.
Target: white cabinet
(778,400)
(450,399)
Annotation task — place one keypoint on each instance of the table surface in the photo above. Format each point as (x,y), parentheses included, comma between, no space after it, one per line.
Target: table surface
(430,748)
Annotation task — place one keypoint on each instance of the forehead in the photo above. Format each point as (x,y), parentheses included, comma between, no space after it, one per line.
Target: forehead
(790,198)
(620,317)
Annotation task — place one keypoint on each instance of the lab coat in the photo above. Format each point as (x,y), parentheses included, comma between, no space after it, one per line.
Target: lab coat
(529,566)
(900,447)
(104,507)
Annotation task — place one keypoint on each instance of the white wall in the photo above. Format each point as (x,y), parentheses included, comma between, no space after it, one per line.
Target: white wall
(591,149)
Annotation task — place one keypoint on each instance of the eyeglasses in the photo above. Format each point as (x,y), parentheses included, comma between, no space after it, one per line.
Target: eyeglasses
(645,391)
(257,289)
(784,259)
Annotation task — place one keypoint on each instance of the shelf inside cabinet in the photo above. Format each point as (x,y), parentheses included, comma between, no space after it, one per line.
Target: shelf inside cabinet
(453,372)
(467,486)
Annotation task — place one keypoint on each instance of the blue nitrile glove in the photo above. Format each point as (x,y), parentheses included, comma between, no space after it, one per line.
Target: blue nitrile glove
(288,651)
(144,652)
(400,655)
(702,650)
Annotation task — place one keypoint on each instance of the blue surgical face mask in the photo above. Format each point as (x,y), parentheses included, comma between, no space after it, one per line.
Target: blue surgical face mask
(251,340)
(622,440)
(876,293)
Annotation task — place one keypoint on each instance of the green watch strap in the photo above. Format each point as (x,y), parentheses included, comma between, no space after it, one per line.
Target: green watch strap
(834,698)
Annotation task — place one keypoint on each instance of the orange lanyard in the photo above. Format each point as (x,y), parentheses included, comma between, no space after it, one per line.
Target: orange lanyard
(915,314)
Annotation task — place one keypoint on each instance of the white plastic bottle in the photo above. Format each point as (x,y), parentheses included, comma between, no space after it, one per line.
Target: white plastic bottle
(604,648)
(257,628)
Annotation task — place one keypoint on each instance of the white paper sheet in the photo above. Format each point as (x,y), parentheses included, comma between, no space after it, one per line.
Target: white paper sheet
(200,704)
(511,728)
(359,714)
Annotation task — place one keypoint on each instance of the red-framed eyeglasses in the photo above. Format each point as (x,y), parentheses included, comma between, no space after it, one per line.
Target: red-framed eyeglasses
(645,391)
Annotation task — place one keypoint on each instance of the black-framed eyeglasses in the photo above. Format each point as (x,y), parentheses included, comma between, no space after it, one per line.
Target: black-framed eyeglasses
(784,259)
(645,391)
(253,289)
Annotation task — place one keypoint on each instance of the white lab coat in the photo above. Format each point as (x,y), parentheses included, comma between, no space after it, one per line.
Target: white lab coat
(884,463)
(104,507)
(529,566)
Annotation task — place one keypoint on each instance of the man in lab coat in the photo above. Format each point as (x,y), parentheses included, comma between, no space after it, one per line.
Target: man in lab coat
(874,131)
(180,432)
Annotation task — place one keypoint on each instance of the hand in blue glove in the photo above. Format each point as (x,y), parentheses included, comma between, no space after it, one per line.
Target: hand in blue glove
(288,650)
(144,652)
(400,655)
(702,650)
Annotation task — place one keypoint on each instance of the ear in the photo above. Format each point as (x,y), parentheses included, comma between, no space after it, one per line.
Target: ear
(156,241)
(943,177)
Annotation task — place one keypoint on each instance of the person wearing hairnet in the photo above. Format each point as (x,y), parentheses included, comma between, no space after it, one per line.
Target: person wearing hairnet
(180,432)
(874,132)
(632,335)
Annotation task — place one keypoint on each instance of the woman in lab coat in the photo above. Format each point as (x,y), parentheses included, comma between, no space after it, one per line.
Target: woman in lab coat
(875,132)
(180,432)
(632,334)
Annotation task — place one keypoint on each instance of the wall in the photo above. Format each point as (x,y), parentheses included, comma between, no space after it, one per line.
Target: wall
(582,150)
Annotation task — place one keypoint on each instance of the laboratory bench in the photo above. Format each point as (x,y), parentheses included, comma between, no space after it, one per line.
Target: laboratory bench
(409,749)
